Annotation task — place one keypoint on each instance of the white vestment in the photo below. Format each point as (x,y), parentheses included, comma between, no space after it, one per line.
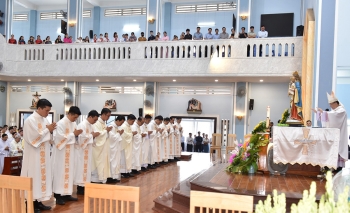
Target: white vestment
(159,144)
(63,157)
(36,157)
(126,156)
(115,149)
(178,135)
(171,140)
(165,142)
(145,145)
(136,147)
(338,119)
(15,147)
(83,154)
(100,166)
(3,153)
(152,126)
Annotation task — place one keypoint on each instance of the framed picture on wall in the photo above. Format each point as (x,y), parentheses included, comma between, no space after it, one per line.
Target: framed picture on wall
(23,115)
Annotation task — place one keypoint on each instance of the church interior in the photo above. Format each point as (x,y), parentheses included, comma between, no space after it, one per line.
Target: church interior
(251,95)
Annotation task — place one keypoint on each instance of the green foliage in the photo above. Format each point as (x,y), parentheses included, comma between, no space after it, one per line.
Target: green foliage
(285,116)
(259,128)
(279,204)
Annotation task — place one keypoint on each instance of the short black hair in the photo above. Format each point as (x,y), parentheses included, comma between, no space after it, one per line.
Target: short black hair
(11,128)
(178,118)
(172,117)
(209,28)
(308,121)
(198,27)
(142,33)
(159,117)
(131,117)
(243,28)
(120,118)
(3,135)
(42,103)
(93,113)
(279,121)
(166,119)
(251,27)
(151,31)
(336,102)
(148,116)
(262,25)
(324,110)
(187,30)
(74,110)
(105,111)
(4,126)
(216,29)
(139,118)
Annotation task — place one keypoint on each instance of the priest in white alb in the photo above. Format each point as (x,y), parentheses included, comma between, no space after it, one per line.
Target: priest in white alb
(137,146)
(83,151)
(100,164)
(115,138)
(337,118)
(153,128)
(127,140)
(36,162)
(178,135)
(171,138)
(63,156)
(165,139)
(4,150)
(146,144)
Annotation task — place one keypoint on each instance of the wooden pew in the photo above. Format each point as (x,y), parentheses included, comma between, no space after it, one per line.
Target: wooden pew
(12,166)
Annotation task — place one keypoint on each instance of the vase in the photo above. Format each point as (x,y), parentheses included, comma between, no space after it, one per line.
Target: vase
(251,170)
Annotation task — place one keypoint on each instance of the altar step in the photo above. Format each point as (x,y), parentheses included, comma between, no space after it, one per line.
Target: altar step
(186,156)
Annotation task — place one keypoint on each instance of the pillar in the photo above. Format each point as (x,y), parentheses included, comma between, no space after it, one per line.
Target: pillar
(70,93)
(75,18)
(6,7)
(153,8)
(167,18)
(3,102)
(242,10)
(32,23)
(96,20)
(149,101)
(240,109)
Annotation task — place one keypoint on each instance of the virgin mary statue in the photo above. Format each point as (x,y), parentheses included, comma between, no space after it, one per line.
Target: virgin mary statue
(295,97)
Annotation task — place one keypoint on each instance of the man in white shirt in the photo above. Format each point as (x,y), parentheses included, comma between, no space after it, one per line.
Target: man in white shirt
(115,139)
(79,40)
(146,144)
(189,141)
(10,133)
(137,145)
(16,148)
(4,150)
(36,158)
(83,151)
(127,145)
(262,33)
(63,156)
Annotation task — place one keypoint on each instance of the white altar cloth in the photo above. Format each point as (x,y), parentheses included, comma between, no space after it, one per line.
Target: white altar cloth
(315,146)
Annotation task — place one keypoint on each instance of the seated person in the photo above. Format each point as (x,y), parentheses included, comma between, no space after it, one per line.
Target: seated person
(38,40)
(12,40)
(31,40)
(58,40)
(21,40)
(243,34)
(252,34)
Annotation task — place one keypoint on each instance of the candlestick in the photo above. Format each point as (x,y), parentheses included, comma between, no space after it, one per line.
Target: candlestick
(268,112)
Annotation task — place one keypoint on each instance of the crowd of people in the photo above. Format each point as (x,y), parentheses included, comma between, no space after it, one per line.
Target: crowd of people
(199,143)
(60,155)
(198,35)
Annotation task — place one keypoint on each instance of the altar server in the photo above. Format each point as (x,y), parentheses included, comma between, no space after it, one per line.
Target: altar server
(171,139)
(165,138)
(4,150)
(178,135)
(146,144)
(137,145)
(100,165)
(127,146)
(115,138)
(36,159)
(83,151)
(63,156)
(338,119)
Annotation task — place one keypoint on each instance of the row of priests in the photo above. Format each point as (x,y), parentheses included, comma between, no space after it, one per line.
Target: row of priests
(91,151)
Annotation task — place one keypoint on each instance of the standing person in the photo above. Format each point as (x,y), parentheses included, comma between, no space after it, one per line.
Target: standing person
(206,144)
(36,159)
(100,166)
(4,150)
(146,144)
(208,35)
(159,139)
(83,151)
(189,143)
(199,141)
(171,139)
(263,33)
(178,135)
(182,143)
(243,34)
(115,138)
(142,38)
(155,155)
(251,33)
(166,145)
(63,156)
(188,35)
(127,145)
(198,35)
(137,145)
(338,119)
(151,37)
(194,143)
(224,34)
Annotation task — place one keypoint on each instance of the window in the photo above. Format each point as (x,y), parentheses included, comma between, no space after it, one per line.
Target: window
(205,8)
(125,12)
(20,17)
(112,89)
(37,88)
(196,90)
(87,14)
(58,15)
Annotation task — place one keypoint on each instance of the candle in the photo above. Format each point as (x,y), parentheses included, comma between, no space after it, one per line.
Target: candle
(268,112)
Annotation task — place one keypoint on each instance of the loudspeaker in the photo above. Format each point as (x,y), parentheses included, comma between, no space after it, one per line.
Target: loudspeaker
(91,34)
(234,23)
(140,112)
(251,104)
(61,116)
(300,30)
(63,27)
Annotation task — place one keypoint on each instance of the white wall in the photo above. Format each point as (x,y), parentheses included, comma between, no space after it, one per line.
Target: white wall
(274,95)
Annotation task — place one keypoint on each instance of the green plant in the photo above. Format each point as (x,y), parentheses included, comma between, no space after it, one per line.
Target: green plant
(285,116)
(279,204)
(259,128)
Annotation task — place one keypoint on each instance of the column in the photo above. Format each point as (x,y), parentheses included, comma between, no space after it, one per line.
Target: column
(242,10)
(75,18)
(3,102)
(96,20)
(70,92)
(6,7)
(149,100)
(240,109)
(153,8)
(167,18)
(32,22)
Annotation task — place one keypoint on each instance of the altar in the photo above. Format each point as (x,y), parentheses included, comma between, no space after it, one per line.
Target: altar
(303,145)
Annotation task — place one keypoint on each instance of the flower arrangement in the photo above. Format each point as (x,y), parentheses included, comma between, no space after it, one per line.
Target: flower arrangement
(260,127)
(285,116)
(308,204)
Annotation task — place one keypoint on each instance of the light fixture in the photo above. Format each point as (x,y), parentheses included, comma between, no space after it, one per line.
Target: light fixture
(29,80)
(261,80)
(174,80)
(97,80)
(239,117)
(243,17)
(206,24)
(62,79)
(216,80)
(131,27)
(71,24)
(134,80)
(151,20)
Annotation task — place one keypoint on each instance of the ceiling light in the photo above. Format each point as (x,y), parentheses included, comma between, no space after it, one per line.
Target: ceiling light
(261,80)
(216,80)
(206,24)
(29,80)
(97,80)
(62,79)
(134,80)
(174,80)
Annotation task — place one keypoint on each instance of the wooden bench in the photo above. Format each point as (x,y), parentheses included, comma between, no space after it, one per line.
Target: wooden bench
(12,166)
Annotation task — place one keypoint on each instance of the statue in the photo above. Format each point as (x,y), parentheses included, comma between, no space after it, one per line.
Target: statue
(194,106)
(294,93)
(111,104)
(35,100)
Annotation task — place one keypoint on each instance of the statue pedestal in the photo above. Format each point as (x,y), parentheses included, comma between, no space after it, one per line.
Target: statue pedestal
(294,123)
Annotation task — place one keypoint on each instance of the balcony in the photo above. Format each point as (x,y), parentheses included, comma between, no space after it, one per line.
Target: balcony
(274,57)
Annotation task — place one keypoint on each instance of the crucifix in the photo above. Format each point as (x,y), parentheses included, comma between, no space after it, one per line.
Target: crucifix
(306,141)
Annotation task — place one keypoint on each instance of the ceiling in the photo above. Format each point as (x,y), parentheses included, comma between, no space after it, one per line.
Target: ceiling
(147,79)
